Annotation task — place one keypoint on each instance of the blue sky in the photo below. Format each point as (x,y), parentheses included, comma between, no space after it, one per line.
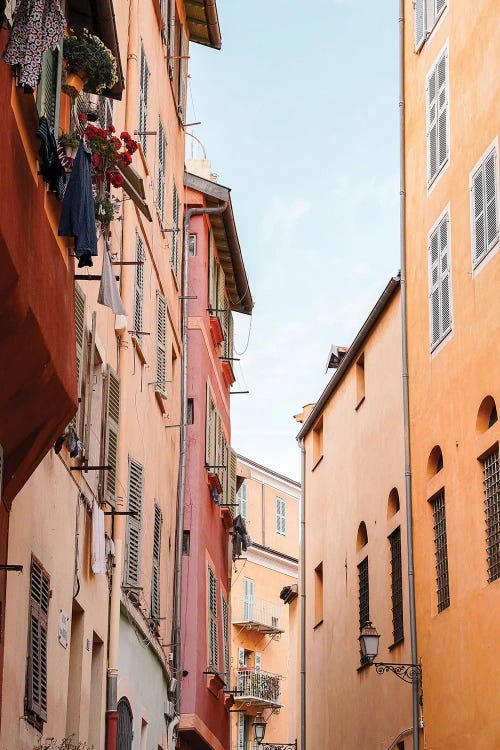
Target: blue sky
(299,116)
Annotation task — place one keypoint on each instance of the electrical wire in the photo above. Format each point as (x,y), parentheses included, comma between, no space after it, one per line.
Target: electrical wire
(248,340)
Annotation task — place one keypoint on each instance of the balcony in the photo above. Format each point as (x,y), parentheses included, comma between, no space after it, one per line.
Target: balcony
(260,615)
(256,688)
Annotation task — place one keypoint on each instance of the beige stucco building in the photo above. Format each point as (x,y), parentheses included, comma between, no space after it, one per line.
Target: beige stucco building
(261,678)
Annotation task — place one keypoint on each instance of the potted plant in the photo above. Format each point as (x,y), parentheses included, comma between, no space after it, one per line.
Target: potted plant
(106,209)
(89,64)
(108,153)
(70,142)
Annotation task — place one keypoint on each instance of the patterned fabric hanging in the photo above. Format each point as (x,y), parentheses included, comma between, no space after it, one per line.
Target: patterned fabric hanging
(37,26)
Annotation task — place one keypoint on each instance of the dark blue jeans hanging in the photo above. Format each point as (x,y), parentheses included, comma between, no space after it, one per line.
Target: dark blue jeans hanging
(77,216)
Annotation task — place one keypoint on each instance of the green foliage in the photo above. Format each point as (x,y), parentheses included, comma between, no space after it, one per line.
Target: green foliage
(85,52)
(68,743)
(69,140)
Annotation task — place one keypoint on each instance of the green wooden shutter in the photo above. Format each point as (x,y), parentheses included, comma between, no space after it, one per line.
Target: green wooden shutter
(48,90)
(231,477)
(155,578)
(213,633)
(36,688)
(112,433)
(161,344)
(210,431)
(80,342)
(225,636)
(134,523)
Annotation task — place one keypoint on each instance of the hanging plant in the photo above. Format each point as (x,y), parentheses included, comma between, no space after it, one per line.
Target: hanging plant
(90,65)
(108,152)
(106,209)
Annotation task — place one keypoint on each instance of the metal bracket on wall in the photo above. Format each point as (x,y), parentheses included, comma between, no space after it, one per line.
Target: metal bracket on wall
(11,568)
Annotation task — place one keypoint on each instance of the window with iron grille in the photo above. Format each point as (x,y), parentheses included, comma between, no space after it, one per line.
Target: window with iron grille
(139,287)
(364,599)
(396,586)
(36,675)
(162,160)
(440,302)
(213,634)
(143,100)
(484,206)
(491,481)
(437,117)
(134,523)
(441,551)
(155,577)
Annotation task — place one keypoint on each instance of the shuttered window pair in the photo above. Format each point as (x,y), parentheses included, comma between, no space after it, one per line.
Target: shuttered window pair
(440,299)
(426,14)
(143,101)
(174,255)
(280,516)
(155,575)
(437,96)
(139,287)
(36,676)
(134,523)
(213,632)
(484,206)
(162,163)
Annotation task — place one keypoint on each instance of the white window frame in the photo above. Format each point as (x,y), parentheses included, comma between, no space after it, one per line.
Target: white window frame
(280,516)
(492,249)
(443,334)
(430,19)
(440,168)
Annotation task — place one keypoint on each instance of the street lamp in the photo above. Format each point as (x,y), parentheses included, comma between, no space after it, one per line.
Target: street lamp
(259,728)
(368,640)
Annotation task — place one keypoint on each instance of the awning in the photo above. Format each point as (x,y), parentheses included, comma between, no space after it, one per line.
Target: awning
(134,187)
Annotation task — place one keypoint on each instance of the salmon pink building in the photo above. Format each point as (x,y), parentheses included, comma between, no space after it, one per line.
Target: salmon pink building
(218,287)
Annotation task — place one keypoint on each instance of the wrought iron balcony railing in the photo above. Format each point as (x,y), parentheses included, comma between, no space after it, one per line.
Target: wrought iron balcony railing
(257,688)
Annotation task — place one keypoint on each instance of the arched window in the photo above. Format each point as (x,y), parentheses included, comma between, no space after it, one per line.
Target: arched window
(393,503)
(125,732)
(487,414)
(435,462)
(362,536)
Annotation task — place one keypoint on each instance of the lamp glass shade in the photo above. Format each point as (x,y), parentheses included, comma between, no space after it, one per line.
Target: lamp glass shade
(368,640)
(259,728)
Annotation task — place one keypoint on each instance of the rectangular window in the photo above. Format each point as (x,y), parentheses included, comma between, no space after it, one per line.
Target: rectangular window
(213,633)
(280,516)
(318,594)
(360,379)
(193,240)
(225,636)
(174,255)
(363,599)
(143,101)
(440,301)
(134,524)
(437,117)
(161,344)
(484,206)
(162,163)
(241,499)
(248,589)
(36,675)
(441,551)
(139,287)
(155,577)
(396,586)
(491,481)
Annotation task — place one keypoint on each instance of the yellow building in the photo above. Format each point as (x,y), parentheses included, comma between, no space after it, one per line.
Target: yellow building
(260,638)
(451,129)
(354,548)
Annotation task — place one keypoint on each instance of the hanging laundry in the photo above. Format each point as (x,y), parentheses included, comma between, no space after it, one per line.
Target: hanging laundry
(73,442)
(109,294)
(98,540)
(241,539)
(37,26)
(51,168)
(77,215)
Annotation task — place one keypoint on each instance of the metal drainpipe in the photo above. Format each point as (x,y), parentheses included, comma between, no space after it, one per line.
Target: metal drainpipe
(302,596)
(181,487)
(124,357)
(406,417)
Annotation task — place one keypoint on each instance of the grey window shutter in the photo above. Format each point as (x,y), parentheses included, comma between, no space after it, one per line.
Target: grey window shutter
(36,693)
(210,431)
(213,635)
(183,77)
(258,661)
(479,215)
(48,90)
(80,342)
(248,590)
(161,344)
(111,443)
(432,125)
(174,258)
(241,732)
(212,277)
(442,93)
(225,635)
(440,5)
(155,578)
(143,100)
(134,523)
(139,287)
(162,147)
(491,200)
(440,302)
(231,477)
(420,24)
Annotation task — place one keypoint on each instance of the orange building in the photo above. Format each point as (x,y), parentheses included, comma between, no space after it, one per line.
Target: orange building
(452,120)
(262,678)
(353,550)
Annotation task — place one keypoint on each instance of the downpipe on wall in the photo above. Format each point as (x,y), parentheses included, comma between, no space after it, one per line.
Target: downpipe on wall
(302,596)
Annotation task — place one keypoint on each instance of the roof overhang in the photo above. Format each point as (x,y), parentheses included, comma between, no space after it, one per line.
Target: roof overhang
(98,16)
(203,22)
(349,357)
(226,239)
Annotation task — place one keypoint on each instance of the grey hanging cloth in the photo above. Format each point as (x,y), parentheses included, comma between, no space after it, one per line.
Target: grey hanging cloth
(36,27)
(77,215)
(109,294)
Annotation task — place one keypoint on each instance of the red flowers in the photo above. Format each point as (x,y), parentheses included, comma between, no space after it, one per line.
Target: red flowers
(116,179)
(107,153)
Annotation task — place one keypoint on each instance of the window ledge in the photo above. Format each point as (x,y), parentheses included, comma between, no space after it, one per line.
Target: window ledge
(318,624)
(174,277)
(477,266)
(441,343)
(435,179)
(139,349)
(361,400)
(318,461)
(160,399)
(396,644)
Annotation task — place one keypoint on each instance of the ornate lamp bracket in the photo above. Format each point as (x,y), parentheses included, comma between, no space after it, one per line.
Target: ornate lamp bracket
(410,673)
